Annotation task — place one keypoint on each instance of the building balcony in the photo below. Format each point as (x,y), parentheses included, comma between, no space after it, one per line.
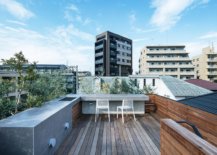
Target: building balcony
(212,66)
(98,54)
(168,59)
(212,73)
(166,52)
(99,61)
(187,73)
(212,59)
(98,47)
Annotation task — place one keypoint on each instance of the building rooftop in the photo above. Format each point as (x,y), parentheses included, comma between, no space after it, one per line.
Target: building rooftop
(165,46)
(204,102)
(180,88)
(204,84)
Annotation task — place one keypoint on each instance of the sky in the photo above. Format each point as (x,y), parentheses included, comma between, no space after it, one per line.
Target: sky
(63,31)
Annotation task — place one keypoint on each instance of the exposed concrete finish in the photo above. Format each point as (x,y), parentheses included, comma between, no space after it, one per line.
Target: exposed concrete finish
(29,132)
(114,97)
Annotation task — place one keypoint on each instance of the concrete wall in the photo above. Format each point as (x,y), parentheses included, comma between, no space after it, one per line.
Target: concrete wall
(16,140)
(20,136)
(53,127)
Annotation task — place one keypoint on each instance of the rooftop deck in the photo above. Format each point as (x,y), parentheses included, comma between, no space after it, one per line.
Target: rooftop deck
(103,137)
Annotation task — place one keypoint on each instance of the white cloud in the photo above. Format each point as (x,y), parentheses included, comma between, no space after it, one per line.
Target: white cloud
(74,8)
(16,22)
(16,9)
(57,47)
(168,12)
(195,48)
(132,20)
(73,14)
(132,17)
(209,35)
(139,39)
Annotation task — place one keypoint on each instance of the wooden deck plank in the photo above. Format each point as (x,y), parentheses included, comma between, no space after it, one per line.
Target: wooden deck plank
(108,139)
(87,140)
(103,151)
(152,147)
(126,138)
(122,140)
(135,151)
(143,144)
(91,138)
(153,134)
(114,150)
(136,141)
(103,137)
(71,151)
(117,139)
(77,149)
(96,134)
(99,142)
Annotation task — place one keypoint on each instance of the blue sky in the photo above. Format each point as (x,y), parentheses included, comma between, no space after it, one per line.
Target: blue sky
(63,31)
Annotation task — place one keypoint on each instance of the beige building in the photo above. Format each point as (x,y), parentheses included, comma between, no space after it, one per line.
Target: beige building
(206,64)
(166,60)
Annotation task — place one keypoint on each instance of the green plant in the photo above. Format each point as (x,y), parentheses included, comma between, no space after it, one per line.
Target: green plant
(148,89)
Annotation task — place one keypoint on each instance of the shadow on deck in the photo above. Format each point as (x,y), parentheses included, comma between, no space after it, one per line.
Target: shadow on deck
(103,137)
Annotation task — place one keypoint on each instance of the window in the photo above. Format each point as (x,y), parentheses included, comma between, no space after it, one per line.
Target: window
(144,81)
(153,82)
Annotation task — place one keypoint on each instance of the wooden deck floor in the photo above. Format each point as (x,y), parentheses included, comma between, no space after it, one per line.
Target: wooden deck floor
(103,137)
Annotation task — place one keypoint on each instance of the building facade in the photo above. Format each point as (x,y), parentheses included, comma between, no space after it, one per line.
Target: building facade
(166,60)
(206,64)
(113,55)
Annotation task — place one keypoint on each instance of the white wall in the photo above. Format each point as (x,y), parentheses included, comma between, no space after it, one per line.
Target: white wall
(160,88)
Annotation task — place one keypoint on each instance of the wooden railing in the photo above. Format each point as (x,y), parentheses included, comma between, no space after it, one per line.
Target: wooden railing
(176,139)
(204,121)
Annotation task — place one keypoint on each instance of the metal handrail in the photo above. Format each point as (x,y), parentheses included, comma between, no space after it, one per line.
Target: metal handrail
(196,131)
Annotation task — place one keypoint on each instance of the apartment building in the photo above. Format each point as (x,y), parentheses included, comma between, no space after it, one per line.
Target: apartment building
(166,60)
(113,55)
(206,64)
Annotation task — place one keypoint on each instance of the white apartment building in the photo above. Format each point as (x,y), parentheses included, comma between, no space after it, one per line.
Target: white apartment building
(206,64)
(166,60)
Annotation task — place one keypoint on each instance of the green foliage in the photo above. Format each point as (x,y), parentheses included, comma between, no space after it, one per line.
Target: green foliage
(124,87)
(116,87)
(148,89)
(86,86)
(134,88)
(16,64)
(105,88)
(40,87)
(6,107)
(45,87)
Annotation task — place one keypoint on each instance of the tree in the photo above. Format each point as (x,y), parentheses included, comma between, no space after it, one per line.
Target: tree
(6,104)
(124,87)
(16,64)
(45,87)
(134,88)
(148,89)
(116,87)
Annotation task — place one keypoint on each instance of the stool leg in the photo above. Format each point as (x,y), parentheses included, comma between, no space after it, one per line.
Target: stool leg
(123,115)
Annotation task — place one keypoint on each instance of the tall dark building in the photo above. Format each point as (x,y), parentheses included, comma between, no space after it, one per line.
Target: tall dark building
(113,55)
